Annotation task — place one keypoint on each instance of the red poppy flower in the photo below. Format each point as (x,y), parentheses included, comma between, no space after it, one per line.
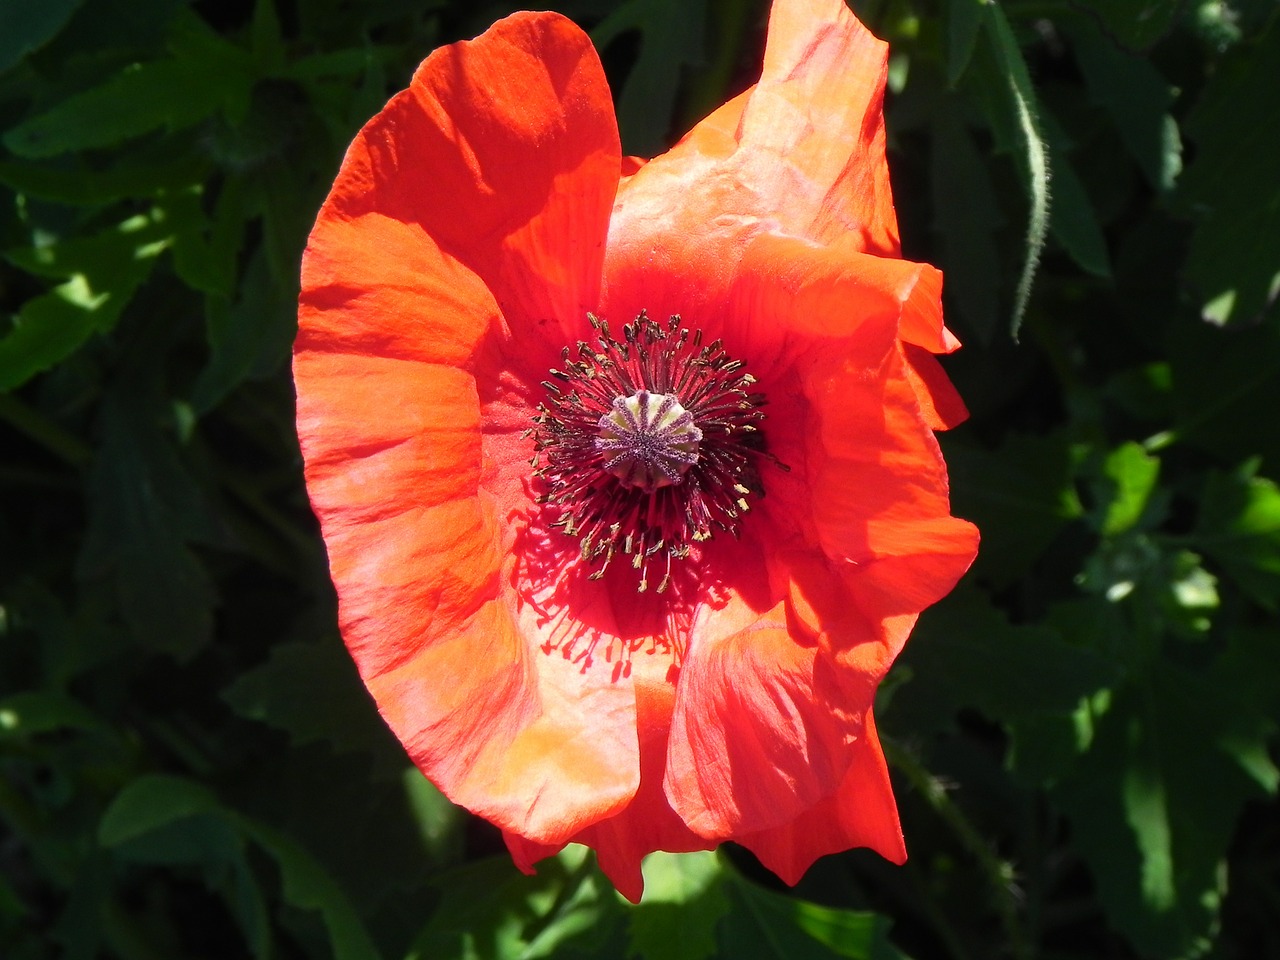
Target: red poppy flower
(614,577)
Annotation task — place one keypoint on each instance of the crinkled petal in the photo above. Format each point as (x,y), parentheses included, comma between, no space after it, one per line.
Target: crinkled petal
(467,217)
(648,823)
(801,153)
(858,539)
(504,150)
(862,813)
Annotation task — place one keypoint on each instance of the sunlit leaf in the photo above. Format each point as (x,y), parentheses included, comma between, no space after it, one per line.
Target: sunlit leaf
(1239,527)
(1129,477)
(99,276)
(770,926)
(489,911)
(684,900)
(1154,837)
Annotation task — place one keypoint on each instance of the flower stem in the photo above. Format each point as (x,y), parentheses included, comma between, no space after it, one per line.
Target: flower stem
(998,872)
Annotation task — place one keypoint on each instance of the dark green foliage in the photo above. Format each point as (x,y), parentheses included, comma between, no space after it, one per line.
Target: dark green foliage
(1083,736)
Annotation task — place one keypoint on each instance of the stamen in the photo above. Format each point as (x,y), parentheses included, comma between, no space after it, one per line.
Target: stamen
(648,444)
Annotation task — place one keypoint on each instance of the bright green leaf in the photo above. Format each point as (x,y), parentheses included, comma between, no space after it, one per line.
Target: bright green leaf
(770,926)
(1141,815)
(489,911)
(1129,475)
(1239,527)
(684,900)
(100,274)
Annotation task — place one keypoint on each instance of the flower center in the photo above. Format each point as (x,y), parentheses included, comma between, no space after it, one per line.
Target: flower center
(651,440)
(648,444)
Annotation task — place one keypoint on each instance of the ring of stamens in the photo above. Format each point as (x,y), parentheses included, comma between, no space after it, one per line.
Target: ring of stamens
(648,444)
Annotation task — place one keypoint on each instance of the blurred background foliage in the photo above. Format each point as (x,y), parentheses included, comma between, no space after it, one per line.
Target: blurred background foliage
(1083,737)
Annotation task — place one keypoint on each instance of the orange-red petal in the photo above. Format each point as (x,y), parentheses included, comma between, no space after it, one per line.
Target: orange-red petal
(862,813)
(465,227)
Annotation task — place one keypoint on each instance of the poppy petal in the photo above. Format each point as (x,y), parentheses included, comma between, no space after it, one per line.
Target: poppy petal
(411,288)
(504,150)
(648,823)
(862,813)
(801,153)
(766,713)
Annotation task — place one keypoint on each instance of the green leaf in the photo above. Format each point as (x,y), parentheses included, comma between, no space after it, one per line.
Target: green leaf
(1234,260)
(25,27)
(213,835)
(308,886)
(489,911)
(1134,24)
(145,509)
(437,820)
(1020,495)
(1129,478)
(151,802)
(249,337)
(173,93)
(1035,154)
(684,900)
(1137,99)
(100,273)
(265,40)
(670,40)
(43,711)
(310,691)
(1222,379)
(1239,527)
(1153,834)
(774,927)
(965,653)
(1075,220)
(964,18)
(967,218)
